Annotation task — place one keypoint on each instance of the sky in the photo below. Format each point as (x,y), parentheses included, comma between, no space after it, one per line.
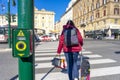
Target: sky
(57,6)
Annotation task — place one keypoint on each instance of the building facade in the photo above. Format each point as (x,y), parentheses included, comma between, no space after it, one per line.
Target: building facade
(97,17)
(4,20)
(44,20)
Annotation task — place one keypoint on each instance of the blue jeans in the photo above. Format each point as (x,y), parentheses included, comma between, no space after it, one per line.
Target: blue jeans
(72,68)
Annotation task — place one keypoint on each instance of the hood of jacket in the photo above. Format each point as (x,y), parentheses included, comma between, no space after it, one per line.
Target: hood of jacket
(68,26)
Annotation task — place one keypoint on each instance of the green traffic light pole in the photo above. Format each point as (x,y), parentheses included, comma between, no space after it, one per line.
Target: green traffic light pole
(26,21)
(9,30)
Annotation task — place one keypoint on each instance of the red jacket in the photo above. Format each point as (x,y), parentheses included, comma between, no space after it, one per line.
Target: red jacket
(69,49)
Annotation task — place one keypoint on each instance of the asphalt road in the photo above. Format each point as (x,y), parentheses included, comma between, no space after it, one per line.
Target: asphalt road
(107,50)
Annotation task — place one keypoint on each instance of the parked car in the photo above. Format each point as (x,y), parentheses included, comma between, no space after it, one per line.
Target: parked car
(52,38)
(99,37)
(44,38)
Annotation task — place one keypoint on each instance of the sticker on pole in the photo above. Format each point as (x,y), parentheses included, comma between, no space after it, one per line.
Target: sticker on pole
(20,45)
(20,33)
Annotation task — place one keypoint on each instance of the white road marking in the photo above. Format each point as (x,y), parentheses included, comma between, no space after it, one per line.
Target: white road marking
(105,71)
(45,51)
(50,58)
(39,53)
(93,56)
(86,52)
(46,58)
(94,73)
(99,61)
(45,54)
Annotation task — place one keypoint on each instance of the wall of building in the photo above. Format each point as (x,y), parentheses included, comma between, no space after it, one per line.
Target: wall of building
(44,20)
(96,18)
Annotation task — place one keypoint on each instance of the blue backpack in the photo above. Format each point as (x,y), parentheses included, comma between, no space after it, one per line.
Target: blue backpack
(70,37)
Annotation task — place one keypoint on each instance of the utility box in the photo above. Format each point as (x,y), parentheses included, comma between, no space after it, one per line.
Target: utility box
(22,42)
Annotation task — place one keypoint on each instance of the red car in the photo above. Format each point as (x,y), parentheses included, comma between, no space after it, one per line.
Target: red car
(45,38)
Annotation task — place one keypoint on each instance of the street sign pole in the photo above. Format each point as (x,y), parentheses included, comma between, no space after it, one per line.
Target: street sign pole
(26,21)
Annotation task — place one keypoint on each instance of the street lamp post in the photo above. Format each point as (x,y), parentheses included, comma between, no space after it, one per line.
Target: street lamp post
(9,21)
(9,27)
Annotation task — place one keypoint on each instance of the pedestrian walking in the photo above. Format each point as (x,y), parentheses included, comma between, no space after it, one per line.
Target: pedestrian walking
(71,43)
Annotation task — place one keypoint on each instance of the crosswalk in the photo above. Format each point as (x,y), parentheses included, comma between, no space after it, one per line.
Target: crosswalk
(45,71)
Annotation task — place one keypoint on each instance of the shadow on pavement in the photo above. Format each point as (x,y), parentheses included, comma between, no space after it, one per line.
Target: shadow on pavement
(14,78)
(117,52)
(47,73)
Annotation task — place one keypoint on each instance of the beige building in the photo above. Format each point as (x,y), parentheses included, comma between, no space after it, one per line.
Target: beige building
(44,20)
(99,17)
(4,22)
(96,17)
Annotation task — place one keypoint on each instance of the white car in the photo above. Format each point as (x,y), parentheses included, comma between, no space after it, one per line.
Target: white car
(52,38)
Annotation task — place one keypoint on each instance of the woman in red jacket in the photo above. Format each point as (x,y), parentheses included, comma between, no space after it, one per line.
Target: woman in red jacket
(71,53)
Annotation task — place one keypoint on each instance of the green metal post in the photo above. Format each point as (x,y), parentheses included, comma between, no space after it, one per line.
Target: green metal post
(26,21)
(9,29)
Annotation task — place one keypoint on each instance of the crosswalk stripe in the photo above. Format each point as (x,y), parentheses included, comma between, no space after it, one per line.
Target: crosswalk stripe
(39,53)
(86,52)
(43,65)
(45,51)
(98,61)
(93,56)
(46,58)
(45,54)
(89,56)
(61,76)
(94,73)
(105,71)
(101,61)
(50,58)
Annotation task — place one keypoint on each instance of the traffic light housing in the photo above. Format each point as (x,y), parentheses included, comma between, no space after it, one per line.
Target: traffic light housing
(22,42)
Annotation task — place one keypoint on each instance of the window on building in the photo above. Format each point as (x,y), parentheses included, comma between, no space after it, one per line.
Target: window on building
(116,11)
(85,11)
(97,14)
(104,13)
(91,18)
(42,17)
(92,7)
(98,5)
(104,2)
(116,0)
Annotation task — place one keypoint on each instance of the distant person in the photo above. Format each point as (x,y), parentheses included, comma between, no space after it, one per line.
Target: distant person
(71,51)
